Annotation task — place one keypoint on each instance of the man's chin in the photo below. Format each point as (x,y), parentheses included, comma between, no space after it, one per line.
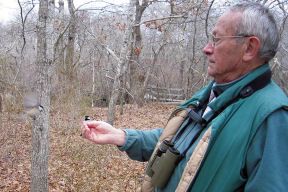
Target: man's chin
(210,71)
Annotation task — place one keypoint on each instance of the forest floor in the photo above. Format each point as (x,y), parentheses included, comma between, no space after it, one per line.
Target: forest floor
(74,163)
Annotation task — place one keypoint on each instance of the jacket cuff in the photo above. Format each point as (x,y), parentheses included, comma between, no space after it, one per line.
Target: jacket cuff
(130,134)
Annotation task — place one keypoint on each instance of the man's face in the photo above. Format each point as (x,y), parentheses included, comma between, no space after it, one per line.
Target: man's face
(225,56)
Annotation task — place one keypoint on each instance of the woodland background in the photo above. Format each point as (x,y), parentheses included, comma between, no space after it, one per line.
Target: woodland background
(103,60)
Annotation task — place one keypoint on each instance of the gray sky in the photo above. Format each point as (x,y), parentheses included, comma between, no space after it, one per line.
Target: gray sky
(10,8)
(7,9)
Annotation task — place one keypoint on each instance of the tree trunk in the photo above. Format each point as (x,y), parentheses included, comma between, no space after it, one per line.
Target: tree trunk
(70,49)
(40,142)
(60,47)
(93,85)
(1,103)
(122,64)
(156,53)
(137,76)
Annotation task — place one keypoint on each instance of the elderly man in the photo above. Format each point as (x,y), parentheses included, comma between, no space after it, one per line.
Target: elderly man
(232,135)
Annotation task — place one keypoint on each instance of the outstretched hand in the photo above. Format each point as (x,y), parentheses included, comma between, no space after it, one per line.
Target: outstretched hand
(100,132)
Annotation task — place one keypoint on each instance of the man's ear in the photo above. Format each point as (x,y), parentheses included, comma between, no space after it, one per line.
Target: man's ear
(252,48)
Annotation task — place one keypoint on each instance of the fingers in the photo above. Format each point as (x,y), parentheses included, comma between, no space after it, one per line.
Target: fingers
(99,125)
(84,129)
(92,124)
(99,132)
(90,129)
(86,125)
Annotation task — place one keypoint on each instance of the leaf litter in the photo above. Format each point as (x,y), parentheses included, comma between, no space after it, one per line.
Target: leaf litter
(74,163)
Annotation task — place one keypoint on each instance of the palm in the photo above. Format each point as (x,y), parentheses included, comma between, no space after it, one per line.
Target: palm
(100,132)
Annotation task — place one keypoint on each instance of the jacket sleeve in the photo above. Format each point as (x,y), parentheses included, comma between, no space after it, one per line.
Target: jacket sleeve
(267,157)
(139,144)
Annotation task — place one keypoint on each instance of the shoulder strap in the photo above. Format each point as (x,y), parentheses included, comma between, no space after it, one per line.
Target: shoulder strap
(172,126)
(255,85)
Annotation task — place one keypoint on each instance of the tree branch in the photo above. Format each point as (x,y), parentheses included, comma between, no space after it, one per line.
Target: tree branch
(23,21)
(162,18)
(285,49)
(206,20)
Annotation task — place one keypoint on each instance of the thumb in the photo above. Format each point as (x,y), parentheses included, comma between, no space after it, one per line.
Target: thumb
(92,124)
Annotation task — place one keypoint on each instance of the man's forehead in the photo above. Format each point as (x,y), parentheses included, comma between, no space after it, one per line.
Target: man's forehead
(226,23)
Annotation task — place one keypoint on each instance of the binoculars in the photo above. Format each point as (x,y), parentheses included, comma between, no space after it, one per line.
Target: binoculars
(162,164)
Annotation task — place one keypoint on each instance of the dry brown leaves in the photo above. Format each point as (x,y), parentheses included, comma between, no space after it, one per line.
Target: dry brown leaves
(76,164)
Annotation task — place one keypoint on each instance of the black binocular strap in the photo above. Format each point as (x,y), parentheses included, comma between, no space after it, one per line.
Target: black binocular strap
(255,85)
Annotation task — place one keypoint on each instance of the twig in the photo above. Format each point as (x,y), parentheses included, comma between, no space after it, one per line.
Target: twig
(162,18)
(23,21)
(285,49)
(206,19)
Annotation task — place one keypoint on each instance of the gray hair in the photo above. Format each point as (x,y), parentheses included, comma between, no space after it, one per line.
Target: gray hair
(257,20)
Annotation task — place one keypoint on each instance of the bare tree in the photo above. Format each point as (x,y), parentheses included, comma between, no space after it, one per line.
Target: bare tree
(70,48)
(136,74)
(59,57)
(162,46)
(40,142)
(122,63)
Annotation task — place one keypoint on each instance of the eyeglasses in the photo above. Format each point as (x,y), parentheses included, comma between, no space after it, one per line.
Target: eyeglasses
(214,40)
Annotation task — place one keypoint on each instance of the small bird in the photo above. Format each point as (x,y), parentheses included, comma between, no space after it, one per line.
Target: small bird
(32,104)
(87,118)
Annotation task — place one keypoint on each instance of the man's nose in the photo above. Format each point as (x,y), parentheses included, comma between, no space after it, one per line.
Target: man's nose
(208,49)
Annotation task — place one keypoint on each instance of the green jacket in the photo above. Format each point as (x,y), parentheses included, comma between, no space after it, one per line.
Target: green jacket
(248,148)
